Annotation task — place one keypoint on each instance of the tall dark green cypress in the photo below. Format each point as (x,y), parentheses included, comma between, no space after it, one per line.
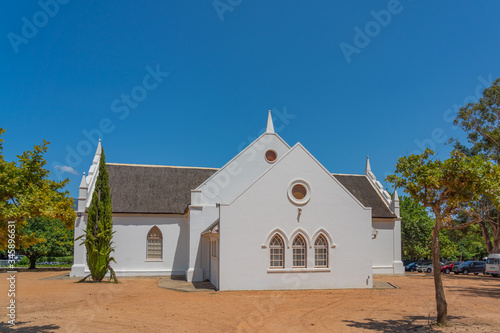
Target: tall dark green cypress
(99,232)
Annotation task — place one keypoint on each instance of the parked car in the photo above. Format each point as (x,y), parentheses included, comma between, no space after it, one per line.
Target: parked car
(493,265)
(426,268)
(467,267)
(411,267)
(447,267)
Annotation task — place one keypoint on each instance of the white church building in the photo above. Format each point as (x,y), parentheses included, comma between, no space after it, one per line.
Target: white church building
(272,218)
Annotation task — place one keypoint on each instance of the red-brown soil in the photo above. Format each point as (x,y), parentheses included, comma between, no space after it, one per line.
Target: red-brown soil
(138,305)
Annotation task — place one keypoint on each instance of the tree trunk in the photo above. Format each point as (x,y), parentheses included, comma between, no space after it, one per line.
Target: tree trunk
(486,237)
(495,229)
(442,306)
(33,262)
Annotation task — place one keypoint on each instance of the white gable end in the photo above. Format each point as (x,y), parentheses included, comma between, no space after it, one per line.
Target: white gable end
(233,178)
(248,223)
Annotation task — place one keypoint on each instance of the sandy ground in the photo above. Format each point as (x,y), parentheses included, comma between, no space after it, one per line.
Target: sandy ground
(138,305)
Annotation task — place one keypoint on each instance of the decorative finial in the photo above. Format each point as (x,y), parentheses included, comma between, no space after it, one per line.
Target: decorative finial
(395,197)
(99,149)
(270,126)
(368,167)
(83,183)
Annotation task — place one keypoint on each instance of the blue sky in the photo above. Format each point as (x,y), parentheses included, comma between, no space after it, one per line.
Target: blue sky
(189,83)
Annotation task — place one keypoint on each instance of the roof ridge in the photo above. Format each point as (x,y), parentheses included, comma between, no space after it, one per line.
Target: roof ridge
(161,166)
(379,194)
(347,174)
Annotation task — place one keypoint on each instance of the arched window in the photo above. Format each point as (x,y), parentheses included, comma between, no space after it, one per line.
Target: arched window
(276,259)
(155,244)
(321,252)
(299,251)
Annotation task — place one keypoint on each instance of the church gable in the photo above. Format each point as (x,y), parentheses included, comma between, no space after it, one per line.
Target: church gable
(298,166)
(302,204)
(239,173)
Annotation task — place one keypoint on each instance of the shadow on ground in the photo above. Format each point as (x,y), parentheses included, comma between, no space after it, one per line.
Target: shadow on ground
(408,324)
(21,327)
(479,291)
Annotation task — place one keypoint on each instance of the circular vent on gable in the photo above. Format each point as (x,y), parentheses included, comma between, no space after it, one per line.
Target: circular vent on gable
(299,192)
(271,156)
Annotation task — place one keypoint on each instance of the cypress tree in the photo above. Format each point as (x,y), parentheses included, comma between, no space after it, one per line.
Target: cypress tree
(99,233)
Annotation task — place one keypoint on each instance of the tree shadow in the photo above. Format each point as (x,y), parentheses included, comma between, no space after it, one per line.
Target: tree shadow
(408,324)
(19,327)
(479,291)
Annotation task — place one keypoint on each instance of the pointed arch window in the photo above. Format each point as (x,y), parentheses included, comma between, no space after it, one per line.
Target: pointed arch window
(299,251)
(276,247)
(321,252)
(155,244)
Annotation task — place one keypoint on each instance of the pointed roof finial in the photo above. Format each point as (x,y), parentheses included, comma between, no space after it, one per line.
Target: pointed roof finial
(368,167)
(99,149)
(83,183)
(270,126)
(395,197)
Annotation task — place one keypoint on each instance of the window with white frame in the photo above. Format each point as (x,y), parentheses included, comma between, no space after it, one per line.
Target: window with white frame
(276,247)
(299,251)
(213,249)
(321,252)
(155,244)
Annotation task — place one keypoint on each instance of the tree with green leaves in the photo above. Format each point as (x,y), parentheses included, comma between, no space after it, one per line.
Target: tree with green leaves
(481,123)
(27,192)
(55,239)
(416,229)
(463,244)
(99,233)
(445,187)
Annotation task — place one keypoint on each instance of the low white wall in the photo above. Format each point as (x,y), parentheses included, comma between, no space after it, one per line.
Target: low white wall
(383,247)
(130,242)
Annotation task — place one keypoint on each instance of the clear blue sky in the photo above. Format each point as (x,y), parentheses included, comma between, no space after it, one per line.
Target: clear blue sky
(381,92)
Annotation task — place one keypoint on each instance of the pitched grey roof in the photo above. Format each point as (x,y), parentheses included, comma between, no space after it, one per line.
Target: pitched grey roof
(153,189)
(363,190)
(167,190)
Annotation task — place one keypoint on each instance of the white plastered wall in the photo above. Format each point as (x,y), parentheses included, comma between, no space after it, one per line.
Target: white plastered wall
(130,243)
(383,246)
(246,223)
(223,187)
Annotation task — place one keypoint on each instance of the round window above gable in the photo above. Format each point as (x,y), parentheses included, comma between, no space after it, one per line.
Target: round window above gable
(299,192)
(271,156)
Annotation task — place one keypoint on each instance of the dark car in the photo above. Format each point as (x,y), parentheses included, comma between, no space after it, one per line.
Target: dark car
(411,267)
(448,266)
(467,267)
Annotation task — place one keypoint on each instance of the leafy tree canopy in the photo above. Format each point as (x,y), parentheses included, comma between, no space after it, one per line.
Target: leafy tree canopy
(481,122)
(55,239)
(27,192)
(446,187)
(416,229)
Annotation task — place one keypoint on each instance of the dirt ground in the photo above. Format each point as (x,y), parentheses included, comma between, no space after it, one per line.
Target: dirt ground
(48,304)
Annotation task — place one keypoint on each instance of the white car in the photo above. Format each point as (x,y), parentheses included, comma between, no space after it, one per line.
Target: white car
(427,268)
(493,265)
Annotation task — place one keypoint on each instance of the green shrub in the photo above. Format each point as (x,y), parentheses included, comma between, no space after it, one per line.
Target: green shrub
(68,260)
